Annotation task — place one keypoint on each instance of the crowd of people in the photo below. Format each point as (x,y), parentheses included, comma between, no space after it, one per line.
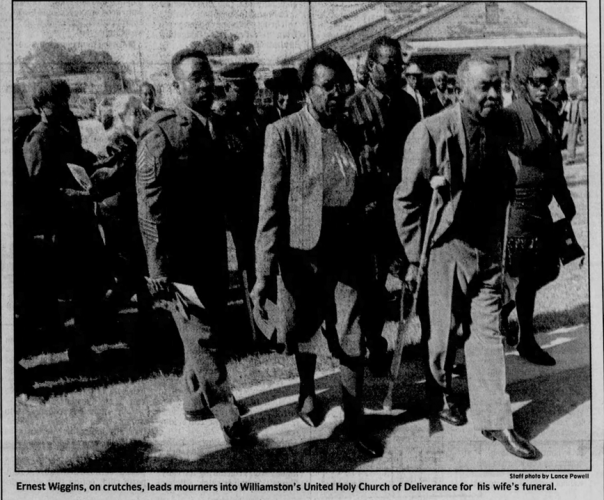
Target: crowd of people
(333,193)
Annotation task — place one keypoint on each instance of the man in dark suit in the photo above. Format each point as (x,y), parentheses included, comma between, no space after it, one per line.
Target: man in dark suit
(244,137)
(181,204)
(438,99)
(309,235)
(463,145)
(383,115)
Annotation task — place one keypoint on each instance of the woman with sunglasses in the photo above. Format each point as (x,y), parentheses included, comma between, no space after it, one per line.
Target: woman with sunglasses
(532,260)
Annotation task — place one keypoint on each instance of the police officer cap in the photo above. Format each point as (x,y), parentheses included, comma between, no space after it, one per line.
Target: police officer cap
(413,69)
(239,71)
(283,79)
(183,54)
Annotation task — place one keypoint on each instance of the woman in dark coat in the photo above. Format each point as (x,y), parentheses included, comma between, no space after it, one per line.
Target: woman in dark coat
(532,258)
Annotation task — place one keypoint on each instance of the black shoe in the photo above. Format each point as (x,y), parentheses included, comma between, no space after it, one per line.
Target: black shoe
(198,415)
(453,415)
(239,435)
(537,356)
(311,412)
(369,445)
(365,443)
(514,444)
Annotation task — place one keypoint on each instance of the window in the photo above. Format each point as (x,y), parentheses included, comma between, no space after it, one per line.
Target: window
(492,12)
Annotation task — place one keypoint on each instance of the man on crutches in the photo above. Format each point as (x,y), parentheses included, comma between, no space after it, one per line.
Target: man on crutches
(463,276)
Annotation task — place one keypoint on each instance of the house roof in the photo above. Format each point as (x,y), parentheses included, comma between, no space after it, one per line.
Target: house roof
(400,20)
(372,19)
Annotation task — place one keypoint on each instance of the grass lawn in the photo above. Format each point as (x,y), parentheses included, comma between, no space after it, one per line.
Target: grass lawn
(113,405)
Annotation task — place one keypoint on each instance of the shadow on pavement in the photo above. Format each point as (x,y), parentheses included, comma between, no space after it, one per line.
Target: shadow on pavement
(549,394)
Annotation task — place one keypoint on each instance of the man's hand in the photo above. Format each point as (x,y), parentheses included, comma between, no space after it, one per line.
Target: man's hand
(160,290)
(259,294)
(411,277)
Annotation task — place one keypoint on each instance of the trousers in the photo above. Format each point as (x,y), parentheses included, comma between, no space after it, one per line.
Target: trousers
(205,377)
(464,287)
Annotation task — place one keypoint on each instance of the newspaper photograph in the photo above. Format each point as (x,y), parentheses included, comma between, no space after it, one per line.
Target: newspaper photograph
(301,250)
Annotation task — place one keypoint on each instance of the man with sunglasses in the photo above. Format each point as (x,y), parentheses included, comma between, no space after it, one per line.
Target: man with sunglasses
(309,247)
(182,192)
(383,115)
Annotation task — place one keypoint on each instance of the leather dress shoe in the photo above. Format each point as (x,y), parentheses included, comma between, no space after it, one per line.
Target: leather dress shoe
(536,355)
(513,443)
(311,412)
(239,434)
(365,443)
(368,445)
(453,415)
(198,415)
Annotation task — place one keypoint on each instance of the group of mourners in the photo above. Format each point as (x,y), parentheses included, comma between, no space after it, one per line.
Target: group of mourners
(330,196)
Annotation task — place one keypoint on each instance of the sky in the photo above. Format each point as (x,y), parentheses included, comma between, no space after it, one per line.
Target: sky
(153,31)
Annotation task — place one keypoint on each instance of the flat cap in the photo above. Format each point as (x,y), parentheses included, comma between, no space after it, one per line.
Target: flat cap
(239,71)
(413,69)
(283,79)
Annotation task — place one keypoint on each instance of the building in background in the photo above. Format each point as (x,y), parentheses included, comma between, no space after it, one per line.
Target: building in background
(439,35)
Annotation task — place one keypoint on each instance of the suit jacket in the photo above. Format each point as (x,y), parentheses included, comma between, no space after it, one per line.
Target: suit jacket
(438,146)
(418,99)
(181,200)
(46,152)
(433,104)
(291,199)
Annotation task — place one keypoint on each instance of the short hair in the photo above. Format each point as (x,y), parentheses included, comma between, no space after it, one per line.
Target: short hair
(466,64)
(382,41)
(183,54)
(440,73)
(325,57)
(537,56)
(47,91)
(123,104)
(150,86)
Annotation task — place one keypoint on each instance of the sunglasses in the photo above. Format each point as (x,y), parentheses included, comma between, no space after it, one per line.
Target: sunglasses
(548,81)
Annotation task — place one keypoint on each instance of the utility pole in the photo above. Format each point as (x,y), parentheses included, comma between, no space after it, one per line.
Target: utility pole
(140,58)
(312,35)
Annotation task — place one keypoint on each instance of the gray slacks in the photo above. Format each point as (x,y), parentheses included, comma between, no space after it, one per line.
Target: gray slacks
(206,382)
(464,287)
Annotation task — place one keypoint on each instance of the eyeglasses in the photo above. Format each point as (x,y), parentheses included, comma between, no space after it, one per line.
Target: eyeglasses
(548,81)
(331,87)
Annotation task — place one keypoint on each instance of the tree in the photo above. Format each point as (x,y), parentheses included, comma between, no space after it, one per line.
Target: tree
(48,58)
(55,59)
(221,43)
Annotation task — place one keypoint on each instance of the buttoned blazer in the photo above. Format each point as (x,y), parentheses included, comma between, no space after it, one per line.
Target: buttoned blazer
(437,146)
(291,199)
